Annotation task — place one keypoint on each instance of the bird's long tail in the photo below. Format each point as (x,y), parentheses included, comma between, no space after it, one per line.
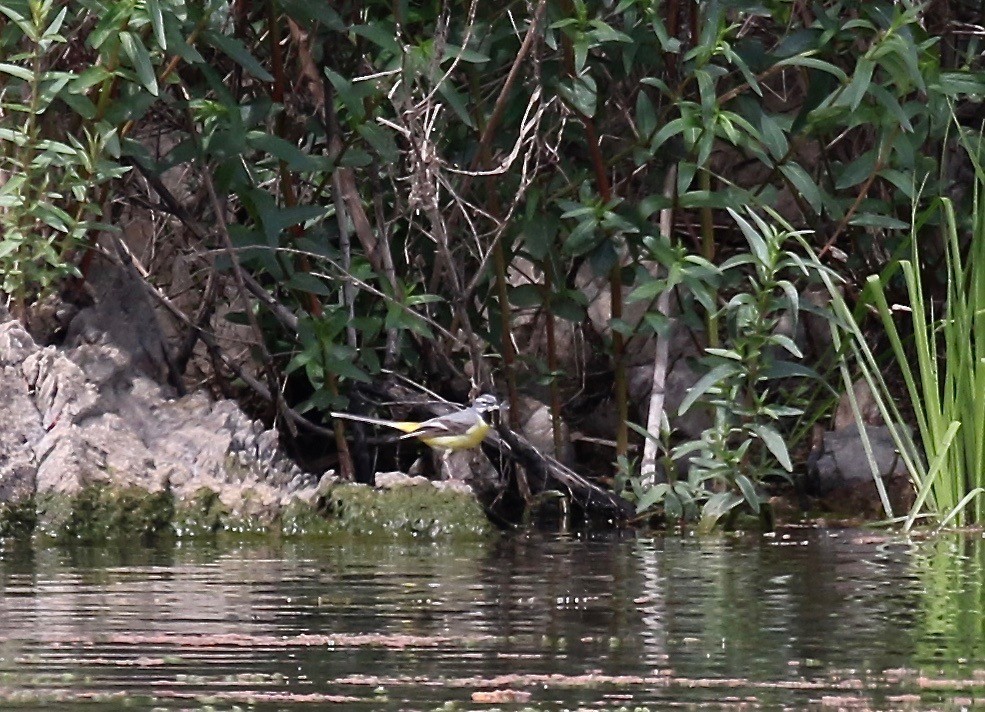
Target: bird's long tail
(402,425)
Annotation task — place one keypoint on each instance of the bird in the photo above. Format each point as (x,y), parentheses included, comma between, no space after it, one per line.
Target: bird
(462,430)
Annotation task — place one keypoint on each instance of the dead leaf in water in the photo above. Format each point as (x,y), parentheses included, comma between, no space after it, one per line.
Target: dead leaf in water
(499,696)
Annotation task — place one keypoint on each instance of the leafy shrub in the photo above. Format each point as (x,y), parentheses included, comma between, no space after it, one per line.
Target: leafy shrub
(49,200)
(746,384)
(384,169)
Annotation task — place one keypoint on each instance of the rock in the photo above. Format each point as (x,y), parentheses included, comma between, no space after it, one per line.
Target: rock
(87,424)
(395,480)
(845,416)
(843,459)
(123,316)
(843,477)
(471,467)
(392,480)
(537,426)
(415,511)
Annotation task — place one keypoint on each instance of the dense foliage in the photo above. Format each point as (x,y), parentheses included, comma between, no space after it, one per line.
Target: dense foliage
(426,187)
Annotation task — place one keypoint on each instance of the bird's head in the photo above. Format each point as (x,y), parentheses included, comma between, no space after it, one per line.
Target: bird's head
(486,403)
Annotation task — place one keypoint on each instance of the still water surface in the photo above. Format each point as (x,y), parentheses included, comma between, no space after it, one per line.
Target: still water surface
(816,619)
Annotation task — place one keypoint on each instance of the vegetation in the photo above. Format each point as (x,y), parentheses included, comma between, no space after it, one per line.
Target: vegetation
(448,191)
(946,381)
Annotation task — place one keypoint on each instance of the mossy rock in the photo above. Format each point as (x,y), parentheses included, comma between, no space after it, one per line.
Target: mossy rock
(414,511)
(201,515)
(18,520)
(99,512)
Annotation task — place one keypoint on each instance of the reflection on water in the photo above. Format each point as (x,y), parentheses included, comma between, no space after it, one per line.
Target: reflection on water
(839,619)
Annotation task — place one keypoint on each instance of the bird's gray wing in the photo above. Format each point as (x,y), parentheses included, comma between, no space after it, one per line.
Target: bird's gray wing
(451,424)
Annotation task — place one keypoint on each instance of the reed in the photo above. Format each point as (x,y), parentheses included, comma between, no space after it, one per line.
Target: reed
(944,369)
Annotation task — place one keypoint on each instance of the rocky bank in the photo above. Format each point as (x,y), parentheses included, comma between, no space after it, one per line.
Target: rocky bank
(91,447)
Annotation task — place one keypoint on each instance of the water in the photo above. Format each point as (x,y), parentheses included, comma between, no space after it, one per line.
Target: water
(823,620)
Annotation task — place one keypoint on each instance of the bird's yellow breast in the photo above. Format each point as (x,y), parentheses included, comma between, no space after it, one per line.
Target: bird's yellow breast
(463,441)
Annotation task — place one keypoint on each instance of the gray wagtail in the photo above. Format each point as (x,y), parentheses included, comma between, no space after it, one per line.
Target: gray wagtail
(460,430)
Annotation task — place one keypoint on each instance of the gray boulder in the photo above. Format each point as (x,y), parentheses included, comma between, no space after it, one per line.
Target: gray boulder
(90,416)
(844,479)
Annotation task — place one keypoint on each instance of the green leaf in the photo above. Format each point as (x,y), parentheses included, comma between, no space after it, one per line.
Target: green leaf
(307,282)
(141,61)
(803,60)
(647,290)
(157,22)
(540,233)
(890,103)
(706,91)
(381,139)
(797,42)
(581,94)
(905,183)
(10,12)
(567,308)
(756,242)
(717,506)
(464,54)
(788,344)
(178,45)
(294,157)
(115,16)
(526,295)
(651,496)
(15,71)
(793,298)
(582,238)
(886,222)
(605,33)
(668,44)
(383,35)
(580,45)
(730,354)
(857,171)
(775,444)
(857,88)
(88,78)
(313,13)
(804,184)
(457,102)
(708,381)
(351,97)
(347,369)
(787,369)
(773,137)
(671,128)
(276,219)
(604,257)
(958,83)
(748,490)
(652,203)
(51,31)
(351,157)
(238,52)
(646,116)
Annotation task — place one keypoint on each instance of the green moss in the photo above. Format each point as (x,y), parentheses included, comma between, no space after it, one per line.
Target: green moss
(99,512)
(17,520)
(417,511)
(202,514)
